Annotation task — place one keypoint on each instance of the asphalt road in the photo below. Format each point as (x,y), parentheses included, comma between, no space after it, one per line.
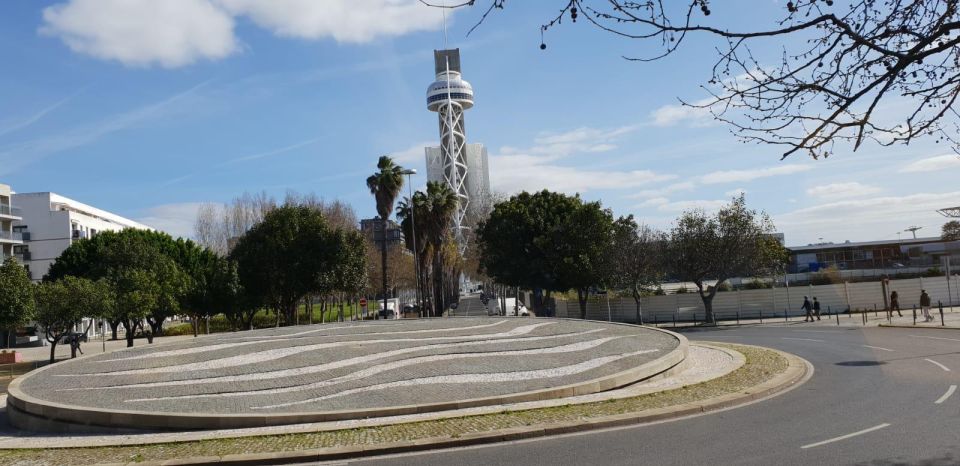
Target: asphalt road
(877,397)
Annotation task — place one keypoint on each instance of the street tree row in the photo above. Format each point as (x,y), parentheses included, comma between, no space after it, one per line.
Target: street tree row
(554,242)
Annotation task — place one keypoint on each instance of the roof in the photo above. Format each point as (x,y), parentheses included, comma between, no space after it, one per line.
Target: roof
(860,244)
(88,210)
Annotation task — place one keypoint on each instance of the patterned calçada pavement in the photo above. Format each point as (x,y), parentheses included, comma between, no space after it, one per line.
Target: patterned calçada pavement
(352,366)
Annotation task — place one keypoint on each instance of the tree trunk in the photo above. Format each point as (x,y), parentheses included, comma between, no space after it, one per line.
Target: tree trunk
(308,305)
(114,326)
(195,321)
(582,299)
(53,349)
(383,262)
(636,298)
(707,299)
(131,329)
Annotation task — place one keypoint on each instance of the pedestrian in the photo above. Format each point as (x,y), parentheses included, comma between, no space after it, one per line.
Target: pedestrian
(925,305)
(807,307)
(895,303)
(816,307)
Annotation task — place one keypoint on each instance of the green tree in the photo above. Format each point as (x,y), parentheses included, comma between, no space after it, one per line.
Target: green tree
(140,265)
(16,297)
(385,186)
(62,304)
(736,242)
(950,231)
(635,259)
(291,253)
(547,241)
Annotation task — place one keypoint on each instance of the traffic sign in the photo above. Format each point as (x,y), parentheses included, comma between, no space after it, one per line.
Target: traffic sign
(363,302)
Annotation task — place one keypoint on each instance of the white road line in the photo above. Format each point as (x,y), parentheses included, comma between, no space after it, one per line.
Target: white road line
(844,437)
(931,361)
(943,398)
(934,338)
(877,348)
(802,339)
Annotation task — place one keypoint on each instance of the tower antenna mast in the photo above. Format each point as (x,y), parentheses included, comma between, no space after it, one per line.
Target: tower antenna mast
(444,11)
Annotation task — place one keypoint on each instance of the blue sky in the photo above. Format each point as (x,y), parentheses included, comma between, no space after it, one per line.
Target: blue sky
(149,108)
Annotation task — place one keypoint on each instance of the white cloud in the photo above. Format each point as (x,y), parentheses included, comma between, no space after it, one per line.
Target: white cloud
(931,164)
(355,21)
(735,192)
(734,176)
(539,167)
(415,154)
(705,204)
(658,193)
(512,173)
(174,33)
(674,114)
(842,190)
(175,219)
(654,201)
(169,33)
(873,218)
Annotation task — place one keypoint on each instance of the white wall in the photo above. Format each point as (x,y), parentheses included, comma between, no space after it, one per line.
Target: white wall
(51,230)
(771,302)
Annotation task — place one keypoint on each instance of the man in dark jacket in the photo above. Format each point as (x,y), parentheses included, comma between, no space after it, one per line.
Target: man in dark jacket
(925,305)
(816,307)
(807,307)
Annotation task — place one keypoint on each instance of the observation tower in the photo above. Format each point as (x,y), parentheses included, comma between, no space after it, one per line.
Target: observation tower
(462,166)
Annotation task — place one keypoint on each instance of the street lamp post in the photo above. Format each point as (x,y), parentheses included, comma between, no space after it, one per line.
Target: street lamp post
(413,232)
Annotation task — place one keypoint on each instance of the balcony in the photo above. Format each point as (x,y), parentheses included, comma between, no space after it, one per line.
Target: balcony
(15,236)
(11,236)
(6,209)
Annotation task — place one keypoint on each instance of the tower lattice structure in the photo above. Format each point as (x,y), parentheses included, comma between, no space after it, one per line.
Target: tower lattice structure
(450,95)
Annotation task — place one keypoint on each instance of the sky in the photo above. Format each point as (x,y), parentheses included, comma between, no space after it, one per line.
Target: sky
(149,109)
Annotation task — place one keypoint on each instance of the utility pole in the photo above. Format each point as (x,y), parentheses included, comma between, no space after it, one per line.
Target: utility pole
(913,230)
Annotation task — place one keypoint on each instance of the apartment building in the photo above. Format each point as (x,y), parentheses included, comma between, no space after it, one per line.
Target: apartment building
(10,237)
(49,223)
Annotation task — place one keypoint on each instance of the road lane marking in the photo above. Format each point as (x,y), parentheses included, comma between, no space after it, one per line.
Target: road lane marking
(877,348)
(931,361)
(844,437)
(802,339)
(935,338)
(943,398)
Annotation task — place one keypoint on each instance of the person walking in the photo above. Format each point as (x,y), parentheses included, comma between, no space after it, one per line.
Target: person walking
(816,307)
(925,305)
(895,303)
(807,307)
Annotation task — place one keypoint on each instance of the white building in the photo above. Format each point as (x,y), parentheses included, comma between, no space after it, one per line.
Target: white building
(10,239)
(477,179)
(49,223)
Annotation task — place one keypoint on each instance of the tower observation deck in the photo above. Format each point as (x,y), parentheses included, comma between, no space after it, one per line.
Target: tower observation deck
(461,166)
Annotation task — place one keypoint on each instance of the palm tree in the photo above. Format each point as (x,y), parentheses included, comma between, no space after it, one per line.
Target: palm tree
(441,203)
(385,186)
(433,212)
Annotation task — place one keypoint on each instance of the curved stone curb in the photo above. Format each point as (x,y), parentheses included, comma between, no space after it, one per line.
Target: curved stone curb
(925,327)
(29,413)
(140,438)
(798,371)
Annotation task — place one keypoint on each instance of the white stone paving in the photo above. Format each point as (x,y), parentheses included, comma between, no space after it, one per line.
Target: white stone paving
(705,363)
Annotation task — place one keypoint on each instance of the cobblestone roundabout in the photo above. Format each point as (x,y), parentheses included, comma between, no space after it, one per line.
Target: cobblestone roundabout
(349,367)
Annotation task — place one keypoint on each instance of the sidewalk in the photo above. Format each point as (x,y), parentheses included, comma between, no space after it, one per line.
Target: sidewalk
(40,355)
(951,320)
